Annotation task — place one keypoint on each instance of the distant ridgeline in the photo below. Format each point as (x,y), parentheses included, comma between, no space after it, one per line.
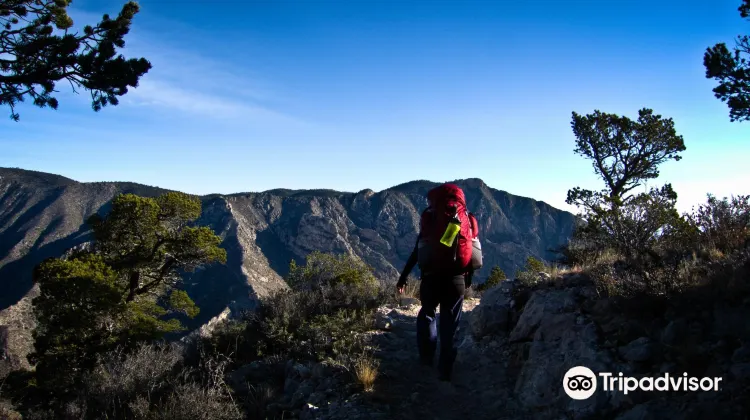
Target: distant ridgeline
(43,215)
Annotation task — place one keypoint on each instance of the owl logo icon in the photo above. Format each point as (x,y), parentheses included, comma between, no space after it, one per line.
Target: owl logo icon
(579,383)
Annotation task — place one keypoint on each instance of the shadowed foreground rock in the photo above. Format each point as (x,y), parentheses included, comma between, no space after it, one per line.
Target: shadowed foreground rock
(518,343)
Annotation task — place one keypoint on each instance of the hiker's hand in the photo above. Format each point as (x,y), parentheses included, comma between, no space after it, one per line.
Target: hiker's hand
(400,289)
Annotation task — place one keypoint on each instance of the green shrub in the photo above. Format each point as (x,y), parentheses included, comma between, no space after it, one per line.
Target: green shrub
(323,269)
(687,251)
(336,281)
(322,318)
(533,264)
(496,276)
(530,275)
(329,336)
(332,300)
(305,326)
(120,291)
(231,337)
(585,246)
(723,224)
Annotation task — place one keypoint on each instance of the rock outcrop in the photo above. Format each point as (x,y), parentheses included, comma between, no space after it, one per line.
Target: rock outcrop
(548,330)
(17,323)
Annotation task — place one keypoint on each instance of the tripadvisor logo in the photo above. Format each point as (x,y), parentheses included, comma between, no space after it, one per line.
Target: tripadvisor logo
(581,383)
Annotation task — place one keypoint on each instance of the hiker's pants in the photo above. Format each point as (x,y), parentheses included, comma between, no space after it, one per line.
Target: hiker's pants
(448,292)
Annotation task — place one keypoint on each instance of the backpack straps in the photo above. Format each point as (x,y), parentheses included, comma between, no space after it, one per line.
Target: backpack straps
(473,224)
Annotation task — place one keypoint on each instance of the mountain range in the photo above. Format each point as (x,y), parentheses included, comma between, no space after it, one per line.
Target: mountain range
(43,215)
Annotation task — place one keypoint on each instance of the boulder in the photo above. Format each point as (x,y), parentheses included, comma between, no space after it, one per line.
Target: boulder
(290,386)
(674,332)
(638,350)
(384,318)
(732,322)
(302,393)
(302,371)
(542,304)
(493,315)
(560,339)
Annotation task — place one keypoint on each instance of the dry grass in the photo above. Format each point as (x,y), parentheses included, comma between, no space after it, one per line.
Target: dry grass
(366,370)
(607,283)
(556,270)
(608,256)
(714,254)
(145,370)
(535,270)
(190,401)
(153,383)
(411,290)
(258,399)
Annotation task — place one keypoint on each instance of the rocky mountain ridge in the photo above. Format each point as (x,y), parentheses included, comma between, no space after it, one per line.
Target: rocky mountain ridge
(43,215)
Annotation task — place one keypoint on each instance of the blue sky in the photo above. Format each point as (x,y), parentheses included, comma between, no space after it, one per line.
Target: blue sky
(249,96)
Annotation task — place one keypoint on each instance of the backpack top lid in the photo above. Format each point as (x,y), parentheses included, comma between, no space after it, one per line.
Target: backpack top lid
(441,195)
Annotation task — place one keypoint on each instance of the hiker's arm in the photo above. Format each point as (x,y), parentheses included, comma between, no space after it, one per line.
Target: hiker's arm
(409,266)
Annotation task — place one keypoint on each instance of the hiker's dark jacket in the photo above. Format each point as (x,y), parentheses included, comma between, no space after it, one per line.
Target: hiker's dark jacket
(412,262)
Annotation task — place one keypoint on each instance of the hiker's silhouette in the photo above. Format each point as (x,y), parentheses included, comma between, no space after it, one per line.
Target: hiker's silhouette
(444,253)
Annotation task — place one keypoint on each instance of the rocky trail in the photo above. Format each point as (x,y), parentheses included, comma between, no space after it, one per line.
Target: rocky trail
(480,389)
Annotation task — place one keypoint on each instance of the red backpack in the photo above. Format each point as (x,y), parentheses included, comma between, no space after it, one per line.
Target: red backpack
(447,204)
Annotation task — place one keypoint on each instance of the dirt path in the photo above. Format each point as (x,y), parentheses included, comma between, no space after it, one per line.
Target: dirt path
(480,389)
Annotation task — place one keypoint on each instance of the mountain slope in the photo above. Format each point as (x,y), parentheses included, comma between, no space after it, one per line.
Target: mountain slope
(42,215)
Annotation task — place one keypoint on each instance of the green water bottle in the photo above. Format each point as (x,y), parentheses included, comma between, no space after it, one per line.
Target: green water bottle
(454,226)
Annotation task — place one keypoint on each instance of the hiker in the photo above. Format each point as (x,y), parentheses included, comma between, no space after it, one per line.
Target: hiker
(447,252)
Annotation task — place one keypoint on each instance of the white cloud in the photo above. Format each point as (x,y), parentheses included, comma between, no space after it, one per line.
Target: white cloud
(153,92)
(189,79)
(184,82)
